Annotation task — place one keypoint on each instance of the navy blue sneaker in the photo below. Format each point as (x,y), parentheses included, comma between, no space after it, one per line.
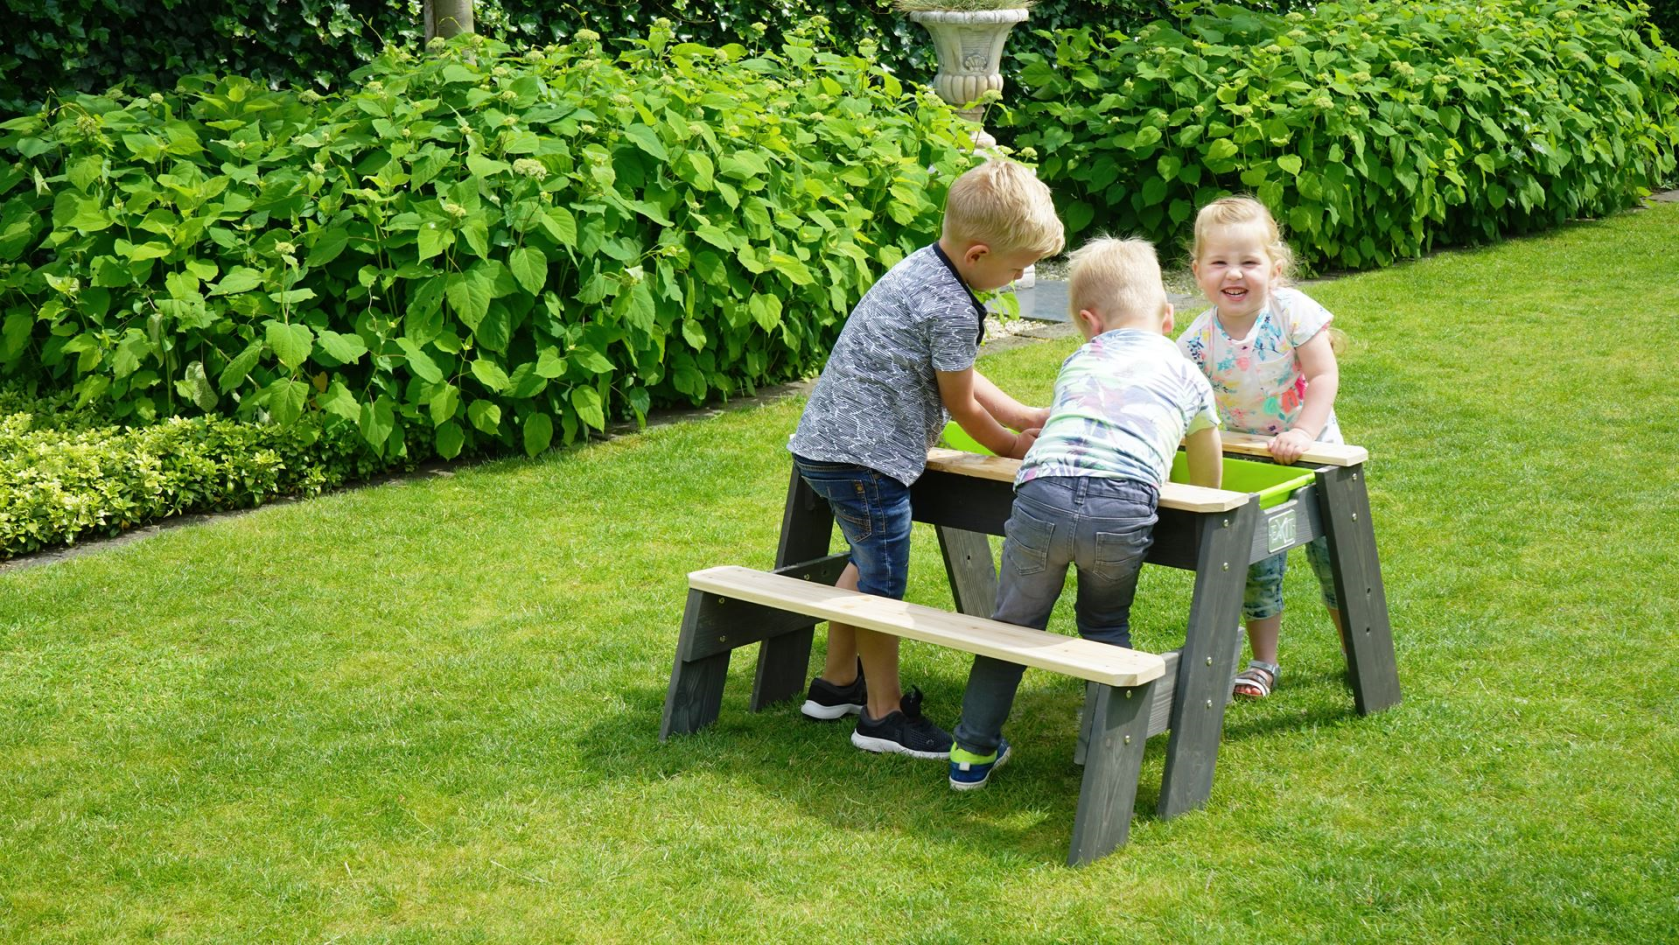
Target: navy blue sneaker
(969,771)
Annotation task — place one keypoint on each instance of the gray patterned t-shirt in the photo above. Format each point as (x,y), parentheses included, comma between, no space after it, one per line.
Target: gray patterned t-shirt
(877,402)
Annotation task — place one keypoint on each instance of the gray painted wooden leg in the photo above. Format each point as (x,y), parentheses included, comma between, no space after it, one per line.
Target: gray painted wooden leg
(1082,748)
(783,666)
(1116,730)
(807,525)
(696,685)
(1358,586)
(973,575)
(1207,661)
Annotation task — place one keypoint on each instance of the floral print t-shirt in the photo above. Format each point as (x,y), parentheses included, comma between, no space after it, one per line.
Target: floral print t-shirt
(1123,403)
(1256,380)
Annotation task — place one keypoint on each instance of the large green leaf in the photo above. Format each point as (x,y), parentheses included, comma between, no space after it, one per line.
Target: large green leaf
(419,362)
(286,400)
(237,369)
(444,404)
(469,294)
(538,433)
(530,267)
(328,244)
(238,279)
(647,140)
(590,360)
(377,421)
(490,374)
(291,343)
(345,348)
(587,403)
(485,415)
(338,401)
(449,439)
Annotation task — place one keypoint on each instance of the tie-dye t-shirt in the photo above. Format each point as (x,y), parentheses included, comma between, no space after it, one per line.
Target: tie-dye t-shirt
(1123,403)
(1257,380)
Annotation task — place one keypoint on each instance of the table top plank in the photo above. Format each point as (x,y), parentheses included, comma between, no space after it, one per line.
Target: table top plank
(1174,495)
(1319,454)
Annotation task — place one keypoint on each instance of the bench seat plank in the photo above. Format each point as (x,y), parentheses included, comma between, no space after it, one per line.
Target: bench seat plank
(1070,656)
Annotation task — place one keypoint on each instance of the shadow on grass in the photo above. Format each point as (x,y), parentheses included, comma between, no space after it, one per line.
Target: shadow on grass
(780,757)
(1024,816)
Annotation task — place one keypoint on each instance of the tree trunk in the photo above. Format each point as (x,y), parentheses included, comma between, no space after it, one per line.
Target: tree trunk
(448,18)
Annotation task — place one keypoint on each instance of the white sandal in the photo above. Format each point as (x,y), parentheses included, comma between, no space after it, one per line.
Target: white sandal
(1257,681)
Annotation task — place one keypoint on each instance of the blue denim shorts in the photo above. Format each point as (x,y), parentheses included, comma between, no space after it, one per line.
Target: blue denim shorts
(1263,596)
(873,513)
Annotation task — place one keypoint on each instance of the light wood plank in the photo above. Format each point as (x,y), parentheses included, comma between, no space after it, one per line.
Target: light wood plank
(1173,495)
(1320,454)
(1082,659)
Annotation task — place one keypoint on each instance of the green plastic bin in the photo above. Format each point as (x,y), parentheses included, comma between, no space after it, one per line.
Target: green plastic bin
(1275,484)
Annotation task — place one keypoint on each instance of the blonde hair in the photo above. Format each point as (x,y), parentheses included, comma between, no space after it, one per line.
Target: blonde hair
(1242,211)
(1003,204)
(1116,278)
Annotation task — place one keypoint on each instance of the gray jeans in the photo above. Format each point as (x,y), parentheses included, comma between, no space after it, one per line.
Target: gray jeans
(1103,527)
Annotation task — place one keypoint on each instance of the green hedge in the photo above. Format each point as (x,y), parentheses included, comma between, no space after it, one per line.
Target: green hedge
(1372,130)
(91,45)
(67,475)
(480,249)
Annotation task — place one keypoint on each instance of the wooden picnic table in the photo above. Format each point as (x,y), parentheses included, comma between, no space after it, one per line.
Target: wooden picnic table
(1215,533)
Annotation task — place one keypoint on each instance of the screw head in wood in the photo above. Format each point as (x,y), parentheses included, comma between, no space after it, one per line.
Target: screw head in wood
(1226,523)
(1355,516)
(722,638)
(1127,739)
(1209,661)
(1209,703)
(1226,565)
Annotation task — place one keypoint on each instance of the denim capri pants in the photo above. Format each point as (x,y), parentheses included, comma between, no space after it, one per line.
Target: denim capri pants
(1263,595)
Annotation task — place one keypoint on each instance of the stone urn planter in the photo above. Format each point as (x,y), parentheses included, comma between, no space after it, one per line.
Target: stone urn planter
(969,44)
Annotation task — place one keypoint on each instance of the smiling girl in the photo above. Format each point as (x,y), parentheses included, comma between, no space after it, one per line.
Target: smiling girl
(1266,349)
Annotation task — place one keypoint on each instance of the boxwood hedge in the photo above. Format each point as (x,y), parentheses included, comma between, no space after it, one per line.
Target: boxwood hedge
(68,474)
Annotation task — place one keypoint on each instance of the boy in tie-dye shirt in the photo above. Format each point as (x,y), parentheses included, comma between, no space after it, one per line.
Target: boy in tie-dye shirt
(1087,491)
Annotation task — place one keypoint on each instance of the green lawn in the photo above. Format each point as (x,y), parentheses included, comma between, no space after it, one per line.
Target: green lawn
(428,711)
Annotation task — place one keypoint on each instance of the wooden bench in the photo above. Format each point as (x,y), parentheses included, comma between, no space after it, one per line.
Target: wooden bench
(725,602)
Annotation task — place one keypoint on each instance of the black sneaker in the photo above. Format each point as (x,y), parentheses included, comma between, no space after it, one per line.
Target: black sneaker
(827,701)
(904,732)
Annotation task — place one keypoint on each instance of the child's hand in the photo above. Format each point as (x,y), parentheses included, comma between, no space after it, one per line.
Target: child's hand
(1023,441)
(1288,446)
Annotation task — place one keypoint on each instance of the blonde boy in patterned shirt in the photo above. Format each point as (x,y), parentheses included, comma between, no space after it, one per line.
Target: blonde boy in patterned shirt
(904,364)
(1087,491)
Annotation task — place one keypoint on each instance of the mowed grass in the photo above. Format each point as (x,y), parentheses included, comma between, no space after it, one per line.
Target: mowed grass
(428,711)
